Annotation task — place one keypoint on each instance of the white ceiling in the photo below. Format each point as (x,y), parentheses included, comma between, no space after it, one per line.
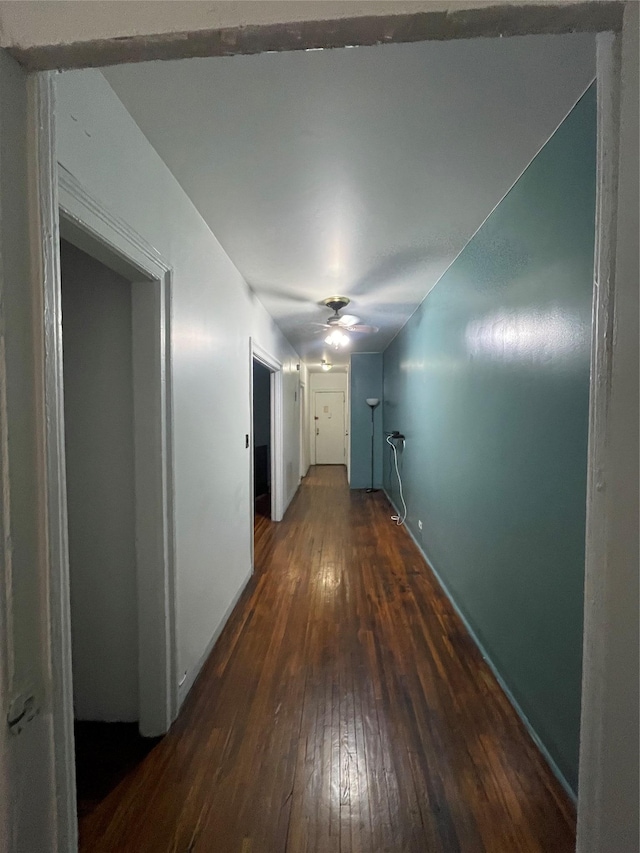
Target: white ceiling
(362,171)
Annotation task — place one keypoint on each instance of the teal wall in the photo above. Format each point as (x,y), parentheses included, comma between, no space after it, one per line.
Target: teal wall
(365,381)
(489,380)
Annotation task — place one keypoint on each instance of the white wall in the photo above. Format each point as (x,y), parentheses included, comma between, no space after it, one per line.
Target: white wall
(330,381)
(213,316)
(98,389)
(333,380)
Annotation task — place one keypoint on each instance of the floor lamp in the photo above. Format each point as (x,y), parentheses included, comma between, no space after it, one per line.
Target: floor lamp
(372,402)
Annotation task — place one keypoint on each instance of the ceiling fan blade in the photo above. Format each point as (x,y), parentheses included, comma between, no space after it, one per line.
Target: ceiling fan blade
(362,328)
(348,320)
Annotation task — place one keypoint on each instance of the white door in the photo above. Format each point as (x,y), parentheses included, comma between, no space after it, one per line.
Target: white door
(329,421)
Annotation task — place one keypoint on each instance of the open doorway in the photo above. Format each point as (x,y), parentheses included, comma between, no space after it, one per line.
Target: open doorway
(118,496)
(261,440)
(265,442)
(100,468)
(304,431)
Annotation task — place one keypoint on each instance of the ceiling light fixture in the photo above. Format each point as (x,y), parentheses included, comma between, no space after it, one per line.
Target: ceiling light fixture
(325,365)
(337,339)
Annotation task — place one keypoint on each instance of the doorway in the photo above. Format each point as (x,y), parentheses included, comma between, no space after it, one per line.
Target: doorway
(100,469)
(100,466)
(265,444)
(118,495)
(329,414)
(304,431)
(261,440)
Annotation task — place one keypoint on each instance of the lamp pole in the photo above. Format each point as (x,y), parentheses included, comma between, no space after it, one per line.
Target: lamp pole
(372,402)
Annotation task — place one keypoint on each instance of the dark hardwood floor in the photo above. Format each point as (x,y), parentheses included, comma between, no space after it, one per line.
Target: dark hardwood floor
(344,709)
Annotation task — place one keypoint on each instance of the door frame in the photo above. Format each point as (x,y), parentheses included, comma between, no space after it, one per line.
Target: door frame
(108,238)
(304,431)
(276,426)
(344,424)
(609,593)
(604,563)
(86,223)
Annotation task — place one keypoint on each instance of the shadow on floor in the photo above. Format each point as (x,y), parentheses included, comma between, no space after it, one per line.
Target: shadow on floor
(105,754)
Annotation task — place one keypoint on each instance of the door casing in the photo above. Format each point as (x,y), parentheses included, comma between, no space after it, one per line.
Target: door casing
(274,366)
(88,225)
(606,449)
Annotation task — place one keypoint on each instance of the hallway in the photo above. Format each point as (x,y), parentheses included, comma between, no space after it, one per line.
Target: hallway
(344,708)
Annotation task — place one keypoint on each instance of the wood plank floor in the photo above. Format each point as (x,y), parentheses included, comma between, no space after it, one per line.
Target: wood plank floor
(344,709)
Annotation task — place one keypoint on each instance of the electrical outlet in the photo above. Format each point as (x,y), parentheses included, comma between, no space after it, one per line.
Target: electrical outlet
(419,525)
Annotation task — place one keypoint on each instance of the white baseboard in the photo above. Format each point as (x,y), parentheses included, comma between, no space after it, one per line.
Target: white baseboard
(486,657)
(194,672)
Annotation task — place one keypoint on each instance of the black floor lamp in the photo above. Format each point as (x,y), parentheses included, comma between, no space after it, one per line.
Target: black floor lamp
(372,402)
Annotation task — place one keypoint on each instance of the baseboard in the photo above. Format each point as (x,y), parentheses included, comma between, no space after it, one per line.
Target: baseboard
(194,672)
(487,658)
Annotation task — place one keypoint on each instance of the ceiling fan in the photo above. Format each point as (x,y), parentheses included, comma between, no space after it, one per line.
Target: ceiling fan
(338,323)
